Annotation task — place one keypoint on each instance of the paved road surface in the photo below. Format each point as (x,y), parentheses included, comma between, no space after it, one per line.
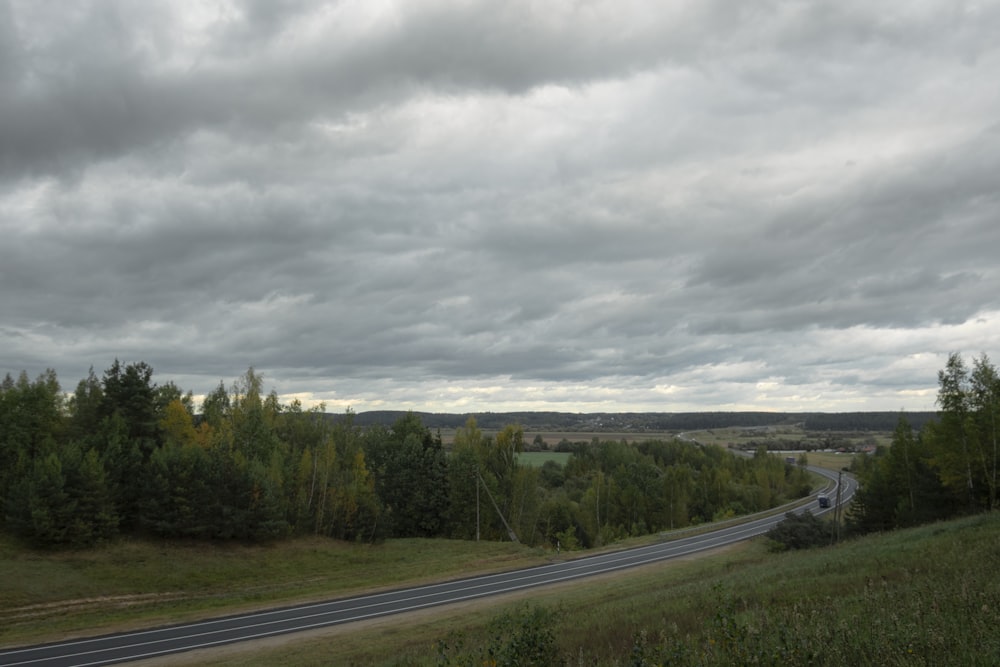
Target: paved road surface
(129,646)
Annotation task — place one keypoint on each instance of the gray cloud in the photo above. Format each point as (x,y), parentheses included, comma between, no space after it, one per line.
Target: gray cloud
(455,206)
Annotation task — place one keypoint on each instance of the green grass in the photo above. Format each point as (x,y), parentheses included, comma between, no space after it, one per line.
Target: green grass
(831,460)
(552,438)
(47,595)
(925,596)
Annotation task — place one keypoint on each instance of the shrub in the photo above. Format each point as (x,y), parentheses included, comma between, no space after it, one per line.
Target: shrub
(522,639)
(798,531)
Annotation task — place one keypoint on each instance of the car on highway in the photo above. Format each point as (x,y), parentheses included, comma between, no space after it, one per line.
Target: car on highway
(824,500)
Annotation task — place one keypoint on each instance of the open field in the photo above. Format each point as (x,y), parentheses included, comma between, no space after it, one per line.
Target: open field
(553,438)
(722,437)
(830,460)
(781,437)
(789,436)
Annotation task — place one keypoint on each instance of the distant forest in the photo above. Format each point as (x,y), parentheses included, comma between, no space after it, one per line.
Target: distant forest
(646,422)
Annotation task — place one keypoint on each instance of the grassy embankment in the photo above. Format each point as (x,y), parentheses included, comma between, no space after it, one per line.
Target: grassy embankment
(926,596)
(49,595)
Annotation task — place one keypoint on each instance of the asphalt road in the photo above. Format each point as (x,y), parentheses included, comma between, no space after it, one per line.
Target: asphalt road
(124,647)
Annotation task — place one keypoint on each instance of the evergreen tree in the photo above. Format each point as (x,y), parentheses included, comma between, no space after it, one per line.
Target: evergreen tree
(129,391)
(31,429)
(125,469)
(899,487)
(43,511)
(84,409)
(411,477)
(94,519)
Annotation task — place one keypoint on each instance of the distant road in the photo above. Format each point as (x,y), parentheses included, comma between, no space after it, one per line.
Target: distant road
(124,647)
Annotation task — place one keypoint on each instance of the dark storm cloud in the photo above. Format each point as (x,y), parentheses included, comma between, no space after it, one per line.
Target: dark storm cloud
(456,205)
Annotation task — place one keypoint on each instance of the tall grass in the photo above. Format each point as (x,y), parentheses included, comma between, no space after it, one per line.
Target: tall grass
(47,595)
(926,596)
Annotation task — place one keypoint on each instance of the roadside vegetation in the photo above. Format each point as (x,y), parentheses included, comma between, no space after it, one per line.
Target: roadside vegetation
(923,596)
(46,594)
(920,596)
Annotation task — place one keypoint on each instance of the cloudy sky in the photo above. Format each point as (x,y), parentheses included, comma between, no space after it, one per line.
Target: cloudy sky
(468,205)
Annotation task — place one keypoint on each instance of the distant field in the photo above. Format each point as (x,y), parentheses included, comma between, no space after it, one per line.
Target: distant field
(553,438)
(791,437)
(830,460)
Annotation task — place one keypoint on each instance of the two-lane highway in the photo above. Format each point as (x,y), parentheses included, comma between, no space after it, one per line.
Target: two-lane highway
(129,646)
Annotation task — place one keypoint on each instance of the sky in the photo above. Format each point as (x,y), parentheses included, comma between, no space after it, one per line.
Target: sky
(468,206)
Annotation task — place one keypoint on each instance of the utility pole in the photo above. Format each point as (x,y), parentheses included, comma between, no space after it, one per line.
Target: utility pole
(836,511)
(510,531)
(477,506)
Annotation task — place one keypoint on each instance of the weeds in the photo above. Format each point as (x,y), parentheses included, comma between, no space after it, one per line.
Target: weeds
(524,638)
(921,598)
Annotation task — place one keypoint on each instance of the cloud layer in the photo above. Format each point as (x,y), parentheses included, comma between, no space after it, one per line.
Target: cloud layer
(460,206)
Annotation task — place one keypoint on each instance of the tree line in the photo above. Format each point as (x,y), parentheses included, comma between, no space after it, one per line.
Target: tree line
(947,468)
(645,422)
(123,455)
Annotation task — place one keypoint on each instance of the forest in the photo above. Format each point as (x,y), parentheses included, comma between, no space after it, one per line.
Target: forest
(646,422)
(124,455)
(945,469)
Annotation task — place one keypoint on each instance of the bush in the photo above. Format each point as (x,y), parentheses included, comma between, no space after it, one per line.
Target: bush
(523,639)
(799,531)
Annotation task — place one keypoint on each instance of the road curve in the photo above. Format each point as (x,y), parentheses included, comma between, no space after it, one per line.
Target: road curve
(124,647)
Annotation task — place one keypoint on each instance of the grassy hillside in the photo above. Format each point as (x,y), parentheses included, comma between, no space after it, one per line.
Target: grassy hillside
(47,595)
(926,596)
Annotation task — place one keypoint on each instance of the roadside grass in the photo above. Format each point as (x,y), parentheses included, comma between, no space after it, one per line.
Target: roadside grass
(924,596)
(133,583)
(610,603)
